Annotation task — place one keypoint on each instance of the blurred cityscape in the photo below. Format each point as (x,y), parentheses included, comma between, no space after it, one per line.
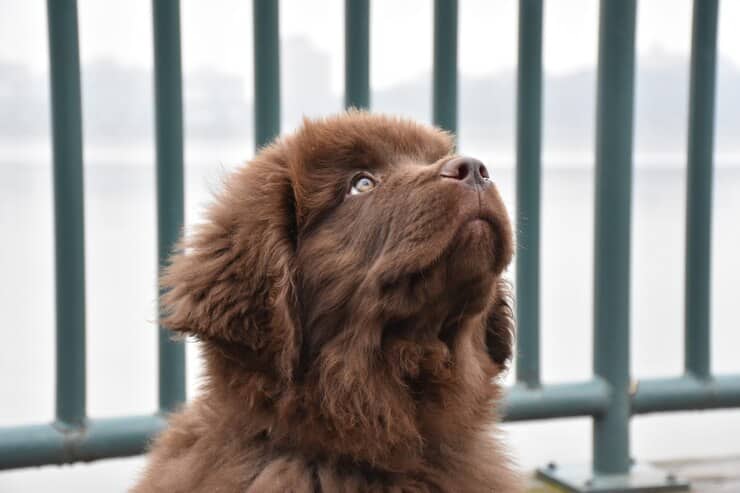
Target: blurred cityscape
(117,102)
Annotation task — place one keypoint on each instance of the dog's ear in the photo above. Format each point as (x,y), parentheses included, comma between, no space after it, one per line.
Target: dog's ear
(232,279)
(500,325)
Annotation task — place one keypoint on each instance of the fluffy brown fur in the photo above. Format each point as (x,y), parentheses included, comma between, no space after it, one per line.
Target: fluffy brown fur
(352,341)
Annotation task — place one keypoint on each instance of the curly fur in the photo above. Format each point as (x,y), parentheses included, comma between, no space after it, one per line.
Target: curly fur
(352,343)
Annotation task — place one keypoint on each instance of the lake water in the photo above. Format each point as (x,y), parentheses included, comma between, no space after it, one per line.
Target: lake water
(121,269)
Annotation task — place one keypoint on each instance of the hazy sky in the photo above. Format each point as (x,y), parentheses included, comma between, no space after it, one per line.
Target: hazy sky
(217,34)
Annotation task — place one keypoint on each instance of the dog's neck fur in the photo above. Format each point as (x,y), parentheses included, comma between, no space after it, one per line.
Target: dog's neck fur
(301,419)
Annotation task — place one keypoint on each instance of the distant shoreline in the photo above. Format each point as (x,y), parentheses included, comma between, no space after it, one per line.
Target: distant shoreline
(232,152)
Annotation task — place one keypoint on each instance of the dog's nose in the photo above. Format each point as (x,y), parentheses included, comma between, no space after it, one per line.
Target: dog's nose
(466,169)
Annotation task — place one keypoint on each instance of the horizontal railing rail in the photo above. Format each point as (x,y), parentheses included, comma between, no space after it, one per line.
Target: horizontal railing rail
(611,397)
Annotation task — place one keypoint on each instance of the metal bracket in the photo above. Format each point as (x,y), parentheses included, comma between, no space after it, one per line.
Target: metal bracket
(641,478)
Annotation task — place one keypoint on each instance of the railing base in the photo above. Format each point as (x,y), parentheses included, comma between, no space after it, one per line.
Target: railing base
(56,443)
(642,478)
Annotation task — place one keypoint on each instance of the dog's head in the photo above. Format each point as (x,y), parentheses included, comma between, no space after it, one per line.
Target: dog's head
(356,266)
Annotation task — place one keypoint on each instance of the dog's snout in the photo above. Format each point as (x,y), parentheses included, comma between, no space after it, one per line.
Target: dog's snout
(466,169)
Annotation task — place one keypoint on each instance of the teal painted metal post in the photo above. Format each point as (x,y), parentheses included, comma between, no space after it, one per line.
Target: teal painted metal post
(699,189)
(528,177)
(444,107)
(170,200)
(357,54)
(69,222)
(612,230)
(266,71)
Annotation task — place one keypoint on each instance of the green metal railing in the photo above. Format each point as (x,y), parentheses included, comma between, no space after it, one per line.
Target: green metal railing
(611,397)
(170,179)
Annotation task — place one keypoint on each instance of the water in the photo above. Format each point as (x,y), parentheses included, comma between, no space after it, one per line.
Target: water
(121,269)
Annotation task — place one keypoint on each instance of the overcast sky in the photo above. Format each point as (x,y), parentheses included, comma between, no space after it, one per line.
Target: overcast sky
(217,34)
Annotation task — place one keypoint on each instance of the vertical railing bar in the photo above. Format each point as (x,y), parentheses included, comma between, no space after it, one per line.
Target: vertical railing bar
(69,225)
(444,100)
(528,179)
(357,54)
(612,229)
(266,71)
(170,179)
(699,189)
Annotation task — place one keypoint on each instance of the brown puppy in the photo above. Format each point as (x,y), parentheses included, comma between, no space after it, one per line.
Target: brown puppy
(347,291)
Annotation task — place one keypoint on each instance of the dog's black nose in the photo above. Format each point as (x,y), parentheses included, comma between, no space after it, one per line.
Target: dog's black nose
(466,169)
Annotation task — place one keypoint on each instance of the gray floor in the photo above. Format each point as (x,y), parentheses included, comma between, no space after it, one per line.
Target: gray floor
(709,475)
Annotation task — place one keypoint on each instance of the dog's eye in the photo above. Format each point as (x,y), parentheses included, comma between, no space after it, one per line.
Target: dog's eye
(361,184)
